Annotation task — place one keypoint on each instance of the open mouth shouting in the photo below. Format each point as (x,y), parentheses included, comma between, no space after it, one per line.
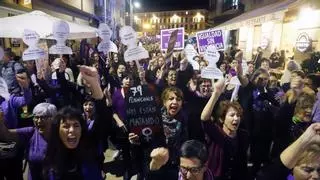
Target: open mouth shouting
(70,133)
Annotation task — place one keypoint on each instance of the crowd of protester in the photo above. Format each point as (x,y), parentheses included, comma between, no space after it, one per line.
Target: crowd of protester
(269,131)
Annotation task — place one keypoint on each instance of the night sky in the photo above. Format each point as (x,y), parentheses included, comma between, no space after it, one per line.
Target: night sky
(161,5)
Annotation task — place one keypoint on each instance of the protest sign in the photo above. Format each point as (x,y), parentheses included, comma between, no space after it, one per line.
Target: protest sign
(235,81)
(61,32)
(113,47)
(190,53)
(143,112)
(129,38)
(136,53)
(211,71)
(105,34)
(212,56)
(209,37)
(245,67)
(31,38)
(176,41)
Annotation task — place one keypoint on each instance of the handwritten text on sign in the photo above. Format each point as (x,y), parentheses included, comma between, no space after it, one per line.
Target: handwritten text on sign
(142,110)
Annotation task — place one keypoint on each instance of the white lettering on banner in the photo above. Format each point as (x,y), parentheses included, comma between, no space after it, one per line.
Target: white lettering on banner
(140,99)
(147,110)
(131,112)
(204,47)
(210,34)
(136,90)
(144,121)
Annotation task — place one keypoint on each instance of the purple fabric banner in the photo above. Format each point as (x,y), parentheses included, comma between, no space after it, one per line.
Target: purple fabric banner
(208,37)
(165,37)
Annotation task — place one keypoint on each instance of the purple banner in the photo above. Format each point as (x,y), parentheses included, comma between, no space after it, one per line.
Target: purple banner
(208,37)
(165,37)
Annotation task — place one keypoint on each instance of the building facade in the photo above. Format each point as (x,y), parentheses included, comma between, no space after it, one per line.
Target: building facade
(288,25)
(111,12)
(77,11)
(153,22)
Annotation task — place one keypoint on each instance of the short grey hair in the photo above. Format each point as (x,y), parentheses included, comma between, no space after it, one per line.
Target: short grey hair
(45,109)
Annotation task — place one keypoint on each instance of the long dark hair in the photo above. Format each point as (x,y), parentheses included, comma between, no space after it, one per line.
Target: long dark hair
(58,157)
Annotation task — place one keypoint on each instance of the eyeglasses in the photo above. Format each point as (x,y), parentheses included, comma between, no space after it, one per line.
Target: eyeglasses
(193,170)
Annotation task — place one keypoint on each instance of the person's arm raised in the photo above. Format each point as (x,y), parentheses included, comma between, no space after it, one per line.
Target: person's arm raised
(289,156)
(159,157)
(242,78)
(91,77)
(219,87)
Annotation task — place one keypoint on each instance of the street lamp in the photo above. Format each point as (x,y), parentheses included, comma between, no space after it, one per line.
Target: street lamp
(133,5)
(137,5)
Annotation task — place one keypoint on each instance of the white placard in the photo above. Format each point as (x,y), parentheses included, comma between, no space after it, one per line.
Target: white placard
(1,53)
(113,47)
(128,36)
(212,55)
(235,91)
(235,81)
(190,53)
(211,73)
(104,46)
(31,38)
(136,53)
(195,65)
(245,67)
(133,53)
(61,32)
(104,32)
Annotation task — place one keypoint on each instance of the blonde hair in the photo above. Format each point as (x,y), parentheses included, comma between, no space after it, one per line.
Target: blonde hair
(312,153)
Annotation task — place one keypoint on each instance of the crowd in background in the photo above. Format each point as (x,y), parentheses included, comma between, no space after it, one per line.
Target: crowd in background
(270,130)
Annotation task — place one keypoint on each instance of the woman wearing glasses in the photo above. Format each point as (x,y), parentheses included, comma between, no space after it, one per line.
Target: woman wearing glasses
(35,138)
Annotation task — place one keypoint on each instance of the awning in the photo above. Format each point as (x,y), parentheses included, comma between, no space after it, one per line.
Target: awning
(272,12)
(42,23)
